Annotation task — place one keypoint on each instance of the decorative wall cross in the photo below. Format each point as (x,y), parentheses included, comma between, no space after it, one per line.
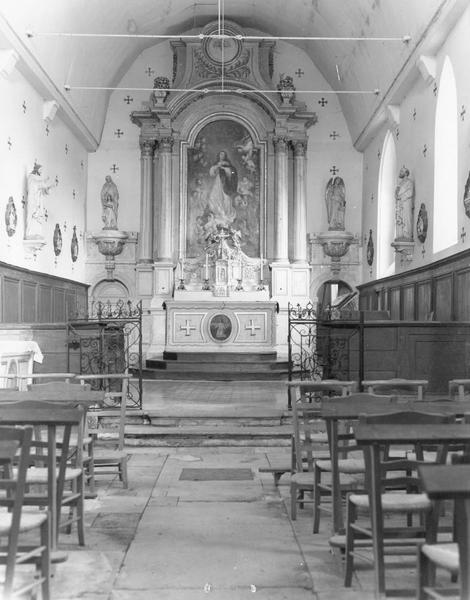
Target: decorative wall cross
(372,198)
(128,99)
(463,235)
(397,132)
(149,71)
(82,164)
(379,153)
(187,328)
(114,168)
(425,150)
(74,193)
(334,170)
(462,112)
(414,114)
(323,102)
(334,135)
(299,73)
(252,326)
(66,149)
(47,129)
(10,143)
(56,180)
(118,133)
(24,106)
(434,89)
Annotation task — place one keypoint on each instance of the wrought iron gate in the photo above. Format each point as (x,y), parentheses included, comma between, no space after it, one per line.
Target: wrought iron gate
(316,350)
(108,339)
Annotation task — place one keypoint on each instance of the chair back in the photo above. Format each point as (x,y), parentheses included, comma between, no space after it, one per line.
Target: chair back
(409,480)
(306,419)
(397,387)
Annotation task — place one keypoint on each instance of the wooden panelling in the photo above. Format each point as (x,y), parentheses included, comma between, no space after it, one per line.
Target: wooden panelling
(462,280)
(31,297)
(11,300)
(45,304)
(442,291)
(408,294)
(28,302)
(443,302)
(424,293)
(395,303)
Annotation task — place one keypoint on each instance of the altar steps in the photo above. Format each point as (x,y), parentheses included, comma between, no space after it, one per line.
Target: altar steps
(226,366)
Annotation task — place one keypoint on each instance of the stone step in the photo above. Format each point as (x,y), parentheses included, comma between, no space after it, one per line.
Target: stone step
(210,357)
(204,435)
(217,366)
(222,375)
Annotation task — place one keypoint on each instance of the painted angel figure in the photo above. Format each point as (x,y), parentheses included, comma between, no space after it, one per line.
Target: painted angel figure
(38,188)
(335,198)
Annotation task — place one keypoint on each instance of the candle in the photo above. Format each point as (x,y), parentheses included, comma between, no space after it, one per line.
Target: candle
(207,267)
(261,268)
(182,268)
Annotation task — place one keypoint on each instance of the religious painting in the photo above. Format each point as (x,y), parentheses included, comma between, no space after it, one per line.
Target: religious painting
(370,249)
(220,327)
(223,186)
(74,245)
(57,240)
(422,223)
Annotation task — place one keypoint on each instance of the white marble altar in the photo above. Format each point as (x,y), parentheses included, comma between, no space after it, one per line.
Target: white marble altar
(16,358)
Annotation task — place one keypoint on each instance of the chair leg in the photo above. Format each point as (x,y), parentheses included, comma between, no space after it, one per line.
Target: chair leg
(423,574)
(80,512)
(316,499)
(45,562)
(293,501)
(123,472)
(349,548)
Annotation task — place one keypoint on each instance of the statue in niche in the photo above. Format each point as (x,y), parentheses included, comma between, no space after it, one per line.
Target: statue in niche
(109,203)
(38,188)
(404,206)
(466,196)
(335,203)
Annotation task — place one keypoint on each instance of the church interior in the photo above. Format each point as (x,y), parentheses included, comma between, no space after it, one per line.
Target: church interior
(214,201)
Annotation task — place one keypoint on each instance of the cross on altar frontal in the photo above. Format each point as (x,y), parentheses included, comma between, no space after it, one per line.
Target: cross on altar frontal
(187,327)
(253,327)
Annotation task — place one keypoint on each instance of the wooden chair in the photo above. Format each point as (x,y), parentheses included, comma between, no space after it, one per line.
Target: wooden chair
(458,387)
(397,386)
(104,459)
(351,464)
(400,494)
(15,443)
(69,471)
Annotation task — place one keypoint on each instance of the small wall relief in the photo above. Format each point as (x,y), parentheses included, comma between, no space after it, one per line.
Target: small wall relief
(370,249)
(466,196)
(11,217)
(57,240)
(74,245)
(422,223)
(220,327)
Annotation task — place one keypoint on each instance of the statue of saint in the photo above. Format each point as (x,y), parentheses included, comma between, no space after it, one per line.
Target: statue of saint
(38,187)
(110,203)
(335,198)
(404,206)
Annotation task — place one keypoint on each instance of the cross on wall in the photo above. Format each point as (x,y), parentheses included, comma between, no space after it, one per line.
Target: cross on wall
(114,168)
(128,99)
(463,112)
(323,102)
(187,328)
(299,73)
(118,133)
(252,327)
(334,170)
(334,135)
(463,235)
(149,71)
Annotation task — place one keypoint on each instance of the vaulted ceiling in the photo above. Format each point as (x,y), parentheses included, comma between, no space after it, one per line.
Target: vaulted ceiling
(389,66)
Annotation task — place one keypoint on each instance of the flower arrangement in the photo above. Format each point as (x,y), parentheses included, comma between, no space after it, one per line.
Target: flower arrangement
(161,82)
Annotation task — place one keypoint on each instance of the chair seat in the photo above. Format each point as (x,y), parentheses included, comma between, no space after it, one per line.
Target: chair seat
(345,465)
(28,521)
(394,502)
(39,474)
(443,555)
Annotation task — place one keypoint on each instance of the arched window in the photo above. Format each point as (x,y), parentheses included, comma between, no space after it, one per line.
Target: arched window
(386,207)
(445,162)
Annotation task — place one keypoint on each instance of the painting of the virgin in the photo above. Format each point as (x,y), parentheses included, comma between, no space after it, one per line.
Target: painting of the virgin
(223,186)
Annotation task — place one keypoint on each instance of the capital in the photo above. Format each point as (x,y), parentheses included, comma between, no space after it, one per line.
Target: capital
(165,144)
(300,147)
(147,147)
(280,143)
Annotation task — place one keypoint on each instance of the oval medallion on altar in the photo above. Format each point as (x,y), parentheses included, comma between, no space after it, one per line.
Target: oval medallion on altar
(220,327)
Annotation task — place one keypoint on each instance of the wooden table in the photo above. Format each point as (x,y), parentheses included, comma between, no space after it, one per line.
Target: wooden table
(397,383)
(10,414)
(337,411)
(443,482)
(373,438)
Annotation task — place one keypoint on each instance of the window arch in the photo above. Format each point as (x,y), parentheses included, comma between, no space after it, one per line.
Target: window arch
(386,207)
(445,221)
